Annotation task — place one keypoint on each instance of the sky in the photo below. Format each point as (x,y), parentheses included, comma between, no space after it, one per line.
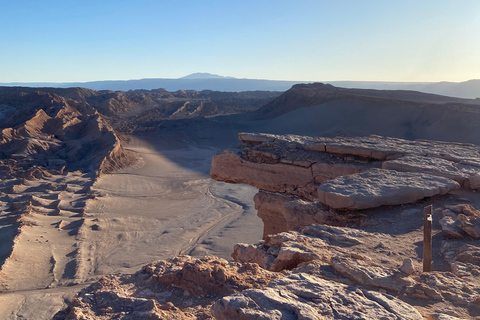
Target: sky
(302,40)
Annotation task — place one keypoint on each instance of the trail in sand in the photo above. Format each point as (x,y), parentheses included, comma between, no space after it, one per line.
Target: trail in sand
(165,206)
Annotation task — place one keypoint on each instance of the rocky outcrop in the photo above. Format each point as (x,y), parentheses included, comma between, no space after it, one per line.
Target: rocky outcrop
(322,272)
(302,180)
(461,221)
(283,212)
(178,288)
(301,296)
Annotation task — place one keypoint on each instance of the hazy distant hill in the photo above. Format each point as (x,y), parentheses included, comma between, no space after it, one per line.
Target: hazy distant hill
(467,89)
(196,81)
(207,81)
(306,95)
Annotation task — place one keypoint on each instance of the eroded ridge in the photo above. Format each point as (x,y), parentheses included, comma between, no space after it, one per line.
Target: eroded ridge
(51,151)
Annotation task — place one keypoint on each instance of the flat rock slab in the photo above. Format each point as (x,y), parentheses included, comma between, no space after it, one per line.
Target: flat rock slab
(284,178)
(433,166)
(377,187)
(374,147)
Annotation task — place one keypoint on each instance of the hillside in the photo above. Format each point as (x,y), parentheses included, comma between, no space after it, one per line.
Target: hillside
(469,89)
(44,129)
(307,95)
(126,109)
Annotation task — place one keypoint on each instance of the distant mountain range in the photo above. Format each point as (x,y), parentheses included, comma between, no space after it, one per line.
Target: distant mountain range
(206,81)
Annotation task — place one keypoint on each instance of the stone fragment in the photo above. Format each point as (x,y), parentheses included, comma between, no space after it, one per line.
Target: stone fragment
(451,227)
(365,150)
(470,225)
(301,296)
(449,213)
(459,269)
(282,251)
(470,211)
(469,254)
(344,237)
(474,182)
(407,266)
(458,208)
(376,187)
(256,137)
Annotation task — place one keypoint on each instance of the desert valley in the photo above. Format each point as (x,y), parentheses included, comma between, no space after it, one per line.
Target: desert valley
(303,204)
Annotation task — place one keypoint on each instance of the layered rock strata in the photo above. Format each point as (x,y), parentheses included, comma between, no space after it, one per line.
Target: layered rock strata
(342,173)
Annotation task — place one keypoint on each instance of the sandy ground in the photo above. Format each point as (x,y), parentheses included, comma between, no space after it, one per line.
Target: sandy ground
(164,206)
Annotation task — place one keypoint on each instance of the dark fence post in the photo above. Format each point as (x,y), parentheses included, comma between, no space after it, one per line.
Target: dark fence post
(427,238)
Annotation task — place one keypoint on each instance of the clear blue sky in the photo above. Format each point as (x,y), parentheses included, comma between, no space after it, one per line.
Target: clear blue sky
(291,40)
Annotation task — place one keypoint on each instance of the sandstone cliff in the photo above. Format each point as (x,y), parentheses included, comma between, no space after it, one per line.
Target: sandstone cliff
(304,180)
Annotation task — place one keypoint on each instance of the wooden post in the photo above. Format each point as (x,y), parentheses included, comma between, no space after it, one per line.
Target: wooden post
(427,238)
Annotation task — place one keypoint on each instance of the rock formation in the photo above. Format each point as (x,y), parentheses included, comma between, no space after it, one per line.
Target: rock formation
(320,262)
(342,173)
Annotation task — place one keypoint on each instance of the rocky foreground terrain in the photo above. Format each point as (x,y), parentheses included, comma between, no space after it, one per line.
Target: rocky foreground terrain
(343,232)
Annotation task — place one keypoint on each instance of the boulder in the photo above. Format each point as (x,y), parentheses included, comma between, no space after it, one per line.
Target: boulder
(363,273)
(451,227)
(470,225)
(377,187)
